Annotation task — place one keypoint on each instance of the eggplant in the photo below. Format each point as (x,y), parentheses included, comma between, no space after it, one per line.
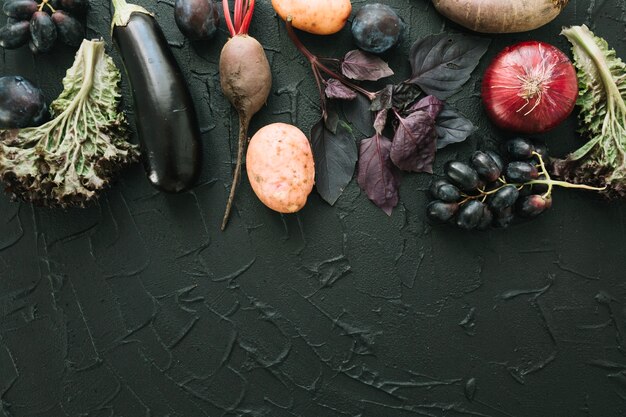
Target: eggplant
(167,124)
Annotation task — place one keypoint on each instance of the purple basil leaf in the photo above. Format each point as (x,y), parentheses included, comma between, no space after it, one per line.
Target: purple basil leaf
(415,143)
(452,127)
(331,118)
(358,113)
(404,95)
(380,121)
(430,104)
(335,157)
(377,176)
(383,99)
(362,66)
(443,63)
(336,89)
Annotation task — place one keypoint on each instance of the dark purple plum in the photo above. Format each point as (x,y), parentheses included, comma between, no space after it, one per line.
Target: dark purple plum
(197,19)
(43,31)
(69,30)
(21,103)
(14,35)
(377,28)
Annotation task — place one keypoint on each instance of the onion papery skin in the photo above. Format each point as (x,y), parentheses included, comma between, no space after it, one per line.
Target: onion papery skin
(530,87)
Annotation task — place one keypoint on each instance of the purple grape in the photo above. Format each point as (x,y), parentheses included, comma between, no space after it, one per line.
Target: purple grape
(14,35)
(503,198)
(470,215)
(444,191)
(441,212)
(521,172)
(486,167)
(533,205)
(43,32)
(462,175)
(20,9)
(69,30)
(74,6)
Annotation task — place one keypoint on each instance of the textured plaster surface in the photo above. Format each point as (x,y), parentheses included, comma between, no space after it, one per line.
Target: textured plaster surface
(140,306)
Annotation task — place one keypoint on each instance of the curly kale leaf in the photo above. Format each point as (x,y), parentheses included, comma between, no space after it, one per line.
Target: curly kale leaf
(602,101)
(66,161)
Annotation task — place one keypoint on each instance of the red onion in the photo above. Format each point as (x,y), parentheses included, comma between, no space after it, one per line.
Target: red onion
(530,87)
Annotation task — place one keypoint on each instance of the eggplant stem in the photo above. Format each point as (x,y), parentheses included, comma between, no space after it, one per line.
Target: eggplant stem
(122,12)
(243,141)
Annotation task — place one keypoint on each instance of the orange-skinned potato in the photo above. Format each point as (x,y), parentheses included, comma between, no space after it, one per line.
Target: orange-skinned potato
(320,17)
(500,16)
(280,167)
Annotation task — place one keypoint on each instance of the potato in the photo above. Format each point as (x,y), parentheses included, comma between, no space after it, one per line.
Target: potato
(280,167)
(320,17)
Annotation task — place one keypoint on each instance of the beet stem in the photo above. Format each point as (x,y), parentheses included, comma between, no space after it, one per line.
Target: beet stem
(227,18)
(243,140)
(248,19)
(238,14)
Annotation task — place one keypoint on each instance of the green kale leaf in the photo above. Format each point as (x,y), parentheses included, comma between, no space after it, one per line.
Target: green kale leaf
(602,101)
(65,162)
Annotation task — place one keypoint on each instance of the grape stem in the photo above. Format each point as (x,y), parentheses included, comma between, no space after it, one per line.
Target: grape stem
(46,3)
(547,181)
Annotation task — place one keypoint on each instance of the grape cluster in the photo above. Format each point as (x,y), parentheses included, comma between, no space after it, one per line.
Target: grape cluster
(41,23)
(486,192)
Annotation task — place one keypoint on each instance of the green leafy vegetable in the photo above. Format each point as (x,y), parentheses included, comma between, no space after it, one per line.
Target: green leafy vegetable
(66,161)
(602,101)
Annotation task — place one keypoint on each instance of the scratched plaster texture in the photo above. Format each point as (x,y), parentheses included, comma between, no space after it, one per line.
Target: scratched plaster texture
(139,306)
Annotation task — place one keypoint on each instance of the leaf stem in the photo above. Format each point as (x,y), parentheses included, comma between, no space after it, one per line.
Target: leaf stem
(316,62)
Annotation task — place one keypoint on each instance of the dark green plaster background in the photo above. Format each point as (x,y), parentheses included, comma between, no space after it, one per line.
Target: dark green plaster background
(139,306)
